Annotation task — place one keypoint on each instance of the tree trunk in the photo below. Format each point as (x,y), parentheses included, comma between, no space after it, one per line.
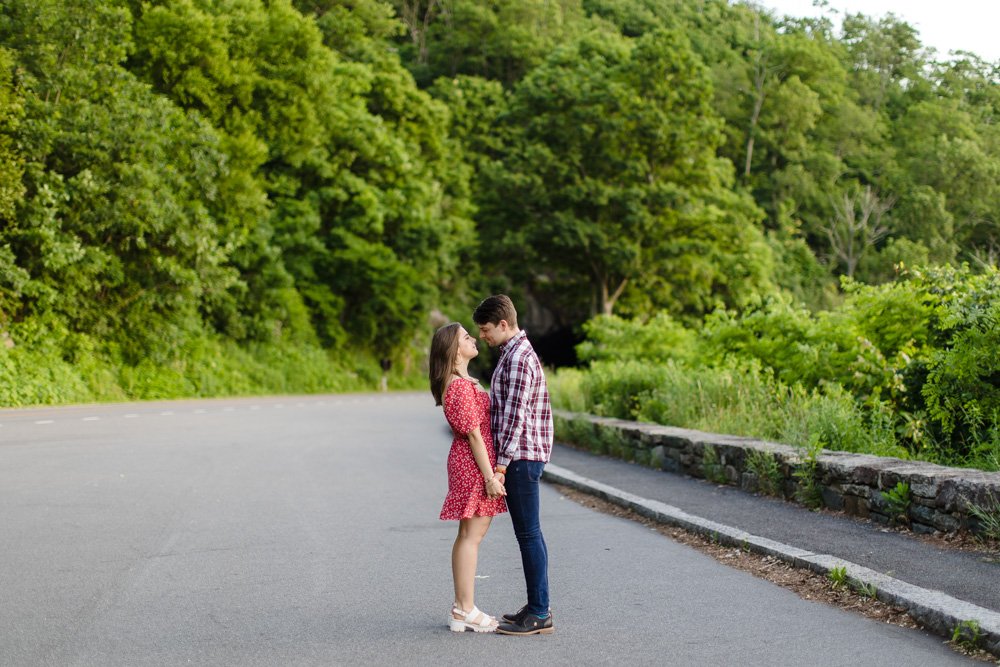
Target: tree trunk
(606,301)
(418,25)
(759,81)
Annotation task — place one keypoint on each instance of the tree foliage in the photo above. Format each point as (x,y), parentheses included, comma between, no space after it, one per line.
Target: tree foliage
(610,181)
(330,172)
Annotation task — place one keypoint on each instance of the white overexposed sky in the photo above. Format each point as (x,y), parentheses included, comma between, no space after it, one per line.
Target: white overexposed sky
(946,25)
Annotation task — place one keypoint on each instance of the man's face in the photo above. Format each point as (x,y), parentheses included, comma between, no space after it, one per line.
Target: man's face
(494,334)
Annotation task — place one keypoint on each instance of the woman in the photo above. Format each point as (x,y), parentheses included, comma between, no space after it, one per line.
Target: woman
(475,496)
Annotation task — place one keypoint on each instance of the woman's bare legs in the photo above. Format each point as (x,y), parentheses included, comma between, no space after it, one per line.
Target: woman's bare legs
(464,555)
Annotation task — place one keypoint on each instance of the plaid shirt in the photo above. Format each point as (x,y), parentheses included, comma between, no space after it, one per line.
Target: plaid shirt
(520,411)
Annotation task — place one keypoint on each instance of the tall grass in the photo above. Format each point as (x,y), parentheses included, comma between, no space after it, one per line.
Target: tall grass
(742,399)
(48,373)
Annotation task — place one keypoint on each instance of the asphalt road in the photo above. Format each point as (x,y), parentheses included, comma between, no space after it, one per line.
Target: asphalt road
(965,575)
(304,531)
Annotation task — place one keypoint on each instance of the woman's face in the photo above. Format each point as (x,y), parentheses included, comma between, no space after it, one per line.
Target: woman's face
(467,348)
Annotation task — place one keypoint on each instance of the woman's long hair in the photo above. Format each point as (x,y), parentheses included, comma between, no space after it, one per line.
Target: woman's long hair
(444,351)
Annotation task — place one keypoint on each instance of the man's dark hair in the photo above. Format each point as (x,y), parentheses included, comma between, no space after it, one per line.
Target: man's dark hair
(495,308)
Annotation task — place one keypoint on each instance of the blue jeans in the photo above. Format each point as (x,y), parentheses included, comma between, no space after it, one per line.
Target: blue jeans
(522,501)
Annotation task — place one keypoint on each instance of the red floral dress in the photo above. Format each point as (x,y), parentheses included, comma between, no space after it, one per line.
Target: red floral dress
(465,408)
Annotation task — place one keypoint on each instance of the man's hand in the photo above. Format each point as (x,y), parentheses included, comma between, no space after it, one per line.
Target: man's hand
(495,488)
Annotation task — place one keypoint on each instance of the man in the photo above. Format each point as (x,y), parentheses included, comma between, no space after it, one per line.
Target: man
(521,421)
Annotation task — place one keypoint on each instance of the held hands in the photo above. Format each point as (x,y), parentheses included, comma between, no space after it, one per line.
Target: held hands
(495,487)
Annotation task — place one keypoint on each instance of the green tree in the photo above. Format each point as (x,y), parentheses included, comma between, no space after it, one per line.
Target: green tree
(12,277)
(497,40)
(367,197)
(611,182)
(119,227)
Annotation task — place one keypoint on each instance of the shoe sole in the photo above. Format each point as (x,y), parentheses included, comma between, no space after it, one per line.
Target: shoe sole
(462,626)
(540,631)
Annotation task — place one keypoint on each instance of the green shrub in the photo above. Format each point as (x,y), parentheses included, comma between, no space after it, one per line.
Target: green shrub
(767,469)
(809,491)
(48,365)
(618,388)
(906,369)
(898,501)
(659,339)
(566,388)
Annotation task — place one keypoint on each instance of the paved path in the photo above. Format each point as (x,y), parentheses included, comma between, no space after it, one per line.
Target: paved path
(304,531)
(964,575)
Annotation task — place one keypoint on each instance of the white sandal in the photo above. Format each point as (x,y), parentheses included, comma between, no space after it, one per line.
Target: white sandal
(474,620)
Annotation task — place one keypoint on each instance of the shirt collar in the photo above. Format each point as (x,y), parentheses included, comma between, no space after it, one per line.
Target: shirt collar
(514,340)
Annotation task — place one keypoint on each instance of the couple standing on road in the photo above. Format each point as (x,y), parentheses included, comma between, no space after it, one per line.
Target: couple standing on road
(516,413)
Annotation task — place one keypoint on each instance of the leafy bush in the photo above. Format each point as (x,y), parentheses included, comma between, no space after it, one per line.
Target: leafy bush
(906,369)
(49,365)
(659,339)
(767,469)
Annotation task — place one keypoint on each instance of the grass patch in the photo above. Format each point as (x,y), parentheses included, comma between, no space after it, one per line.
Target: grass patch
(50,374)
(740,399)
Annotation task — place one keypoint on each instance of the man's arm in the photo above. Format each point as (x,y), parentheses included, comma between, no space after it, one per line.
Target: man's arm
(512,417)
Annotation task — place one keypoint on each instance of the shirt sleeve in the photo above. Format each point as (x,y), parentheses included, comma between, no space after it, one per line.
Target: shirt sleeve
(460,407)
(514,409)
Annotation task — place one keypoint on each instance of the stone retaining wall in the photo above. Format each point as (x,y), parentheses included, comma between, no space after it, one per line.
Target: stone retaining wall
(857,484)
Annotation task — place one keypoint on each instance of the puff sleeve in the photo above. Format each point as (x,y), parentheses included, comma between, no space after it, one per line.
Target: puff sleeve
(460,407)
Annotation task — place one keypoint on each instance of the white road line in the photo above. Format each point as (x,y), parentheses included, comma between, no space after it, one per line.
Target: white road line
(229,409)
(280,405)
(255,407)
(90,419)
(45,421)
(200,412)
(167,413)
(131,416)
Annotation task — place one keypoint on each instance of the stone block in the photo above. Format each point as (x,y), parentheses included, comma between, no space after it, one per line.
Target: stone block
(732,475)
(923,514)
(856,506)
(749,482)
(674,441)
(866,475)
(925,490)
(878,517)
(832,499)
(956,493)
(670,465)
(922,529)
(857,490)
(946,522)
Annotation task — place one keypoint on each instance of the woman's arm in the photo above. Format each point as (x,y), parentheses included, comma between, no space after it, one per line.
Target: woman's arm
(494,487)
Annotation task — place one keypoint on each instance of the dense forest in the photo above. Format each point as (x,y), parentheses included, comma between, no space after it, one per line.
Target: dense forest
(305,187)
